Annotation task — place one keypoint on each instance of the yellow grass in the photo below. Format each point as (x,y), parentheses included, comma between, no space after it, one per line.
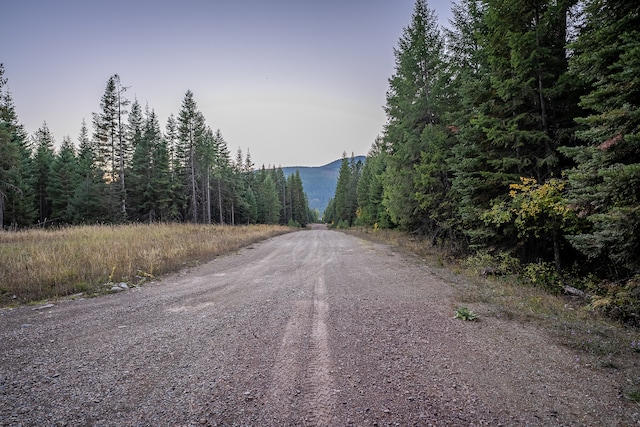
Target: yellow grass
(39,264)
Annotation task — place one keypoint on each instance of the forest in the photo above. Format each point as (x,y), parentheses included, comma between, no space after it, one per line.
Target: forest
(128,170)
(513,137)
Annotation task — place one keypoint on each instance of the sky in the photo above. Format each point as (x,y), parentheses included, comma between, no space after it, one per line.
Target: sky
(296,82)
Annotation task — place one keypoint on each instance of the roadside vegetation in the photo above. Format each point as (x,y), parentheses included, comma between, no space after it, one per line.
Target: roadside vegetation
(39,264)
(518,151)
(504,291)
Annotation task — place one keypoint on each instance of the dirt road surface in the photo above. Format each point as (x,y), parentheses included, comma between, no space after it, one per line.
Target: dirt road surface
(313,328)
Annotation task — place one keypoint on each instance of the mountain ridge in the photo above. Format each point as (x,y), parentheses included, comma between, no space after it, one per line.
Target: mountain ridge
(319,182)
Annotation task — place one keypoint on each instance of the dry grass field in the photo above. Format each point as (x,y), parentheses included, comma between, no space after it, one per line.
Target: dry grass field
(41,264)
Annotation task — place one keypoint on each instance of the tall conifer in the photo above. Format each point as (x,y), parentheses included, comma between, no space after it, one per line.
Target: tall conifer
(62,181)
(17,199)
(414,102)
(605,184)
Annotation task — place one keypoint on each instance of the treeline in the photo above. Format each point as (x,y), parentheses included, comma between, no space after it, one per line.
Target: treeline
(515,132)
(129,170)
(342,210)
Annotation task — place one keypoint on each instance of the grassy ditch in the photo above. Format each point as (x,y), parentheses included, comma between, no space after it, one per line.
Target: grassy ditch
(41,264)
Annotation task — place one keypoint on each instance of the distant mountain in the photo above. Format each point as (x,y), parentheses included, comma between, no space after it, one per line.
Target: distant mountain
(319,182)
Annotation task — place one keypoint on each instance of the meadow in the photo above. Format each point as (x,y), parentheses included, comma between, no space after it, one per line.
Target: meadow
(39,264)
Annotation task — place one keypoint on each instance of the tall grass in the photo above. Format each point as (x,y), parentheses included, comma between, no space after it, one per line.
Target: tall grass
(38,264)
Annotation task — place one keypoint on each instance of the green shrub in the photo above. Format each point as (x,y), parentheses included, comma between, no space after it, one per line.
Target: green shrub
(543,275)
(342,224)
(463,313)
(620,301)
(501,263)
(294,224)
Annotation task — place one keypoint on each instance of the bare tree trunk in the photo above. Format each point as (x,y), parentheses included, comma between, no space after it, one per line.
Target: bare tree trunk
(194,199)
(208,197)
(556,249)
(220,200)
(2,196)
(123,188)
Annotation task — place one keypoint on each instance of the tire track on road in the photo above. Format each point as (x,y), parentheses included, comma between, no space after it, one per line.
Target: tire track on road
(301,390)
(288,365)
(319,394)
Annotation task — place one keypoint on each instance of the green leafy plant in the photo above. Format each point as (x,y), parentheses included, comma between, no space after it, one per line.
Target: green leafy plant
(463,313)
(543,275)
(633,395)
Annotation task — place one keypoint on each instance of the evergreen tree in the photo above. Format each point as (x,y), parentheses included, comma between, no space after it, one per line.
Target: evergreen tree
(8,161)
(160,189)
(341,197)
(248,207)
(251,210)
(473,185)
(267,199)
(62,181)
(42,161)
(17,200)
(191,132)
(605,184)
(369,191)
(150,183)
(413,103)
(523,106)
(346,198)
(90,190)
(284,195)
(140,170)
(223,176)
(178,186)
(10,150)
(352,195)
(114,148)
(329,214)
(297,201)
(270,201)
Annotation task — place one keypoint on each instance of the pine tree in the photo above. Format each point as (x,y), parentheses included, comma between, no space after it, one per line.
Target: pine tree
(369,191)
(341,197)
(178,186)
(114,150)
(62,181)
(518,102)
(605,184)
(471,189)
(269,201)
(17,199)
(297,201)
(42,162)
(352,189)
(413,103)
(329,214)
(90,191)
(10,158)
(248,207)
(284,195)
(221,162)
(191,131)
(160,189)
(138,197)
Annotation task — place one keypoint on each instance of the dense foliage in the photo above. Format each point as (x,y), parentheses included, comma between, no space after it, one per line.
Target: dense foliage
(129,170)
(515,132)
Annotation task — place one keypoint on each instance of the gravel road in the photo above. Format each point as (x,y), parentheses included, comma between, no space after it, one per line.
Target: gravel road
(310,328)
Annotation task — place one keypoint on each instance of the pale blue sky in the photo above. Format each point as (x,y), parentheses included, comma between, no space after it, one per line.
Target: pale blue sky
(297,82)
